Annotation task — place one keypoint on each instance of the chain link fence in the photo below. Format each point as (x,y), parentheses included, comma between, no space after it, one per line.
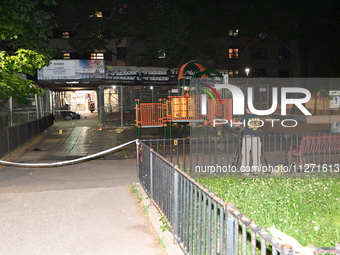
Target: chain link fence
(21,122)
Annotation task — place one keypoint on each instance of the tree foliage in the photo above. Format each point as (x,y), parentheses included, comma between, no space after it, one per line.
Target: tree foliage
(25,27)
(190,29)
(12,84)
(26,24)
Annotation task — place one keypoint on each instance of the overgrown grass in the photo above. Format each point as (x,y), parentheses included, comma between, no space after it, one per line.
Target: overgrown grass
(307,209)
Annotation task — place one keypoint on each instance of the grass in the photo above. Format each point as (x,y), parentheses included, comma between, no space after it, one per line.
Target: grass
(304,208)
(134,190)
(136,193)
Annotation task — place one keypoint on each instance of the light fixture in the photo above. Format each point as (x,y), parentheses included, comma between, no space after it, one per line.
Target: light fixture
(247,70)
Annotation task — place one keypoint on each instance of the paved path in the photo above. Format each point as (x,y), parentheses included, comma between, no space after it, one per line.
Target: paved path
(82,209)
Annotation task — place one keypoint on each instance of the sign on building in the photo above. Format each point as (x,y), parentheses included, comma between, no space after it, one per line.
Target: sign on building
(334,99)
(60,69)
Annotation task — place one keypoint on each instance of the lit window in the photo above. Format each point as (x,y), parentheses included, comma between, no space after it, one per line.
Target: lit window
(66,56)
(233,32)
(161,54)
(233,73)
(233,53)
(97,15)
(121,8)
(97,55)
(66,35)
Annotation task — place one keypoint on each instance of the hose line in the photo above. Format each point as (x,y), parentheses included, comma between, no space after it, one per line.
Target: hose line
(68,162)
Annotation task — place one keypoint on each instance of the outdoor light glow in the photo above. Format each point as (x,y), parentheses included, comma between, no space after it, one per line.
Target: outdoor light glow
(151,87)
(247,70)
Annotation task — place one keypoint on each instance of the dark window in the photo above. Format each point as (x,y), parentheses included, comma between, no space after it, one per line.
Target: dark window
(106,14)
(260,72)
(121,52)
(283,53)
(283,73)
(108,56)
(259,53)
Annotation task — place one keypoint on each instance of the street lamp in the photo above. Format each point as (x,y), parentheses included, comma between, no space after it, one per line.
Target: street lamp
(247,70)
(151,87)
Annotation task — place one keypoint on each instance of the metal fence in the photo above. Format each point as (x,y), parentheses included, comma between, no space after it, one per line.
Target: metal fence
(201,222)
(13,137)
(13,113)
(287,153)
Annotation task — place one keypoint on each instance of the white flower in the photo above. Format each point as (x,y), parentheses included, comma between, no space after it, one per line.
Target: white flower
(314,213)
(316,228)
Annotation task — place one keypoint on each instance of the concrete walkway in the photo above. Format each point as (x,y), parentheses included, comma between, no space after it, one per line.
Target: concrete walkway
(86,208)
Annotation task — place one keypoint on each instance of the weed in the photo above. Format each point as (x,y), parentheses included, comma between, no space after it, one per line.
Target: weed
(164,227)
(135,191)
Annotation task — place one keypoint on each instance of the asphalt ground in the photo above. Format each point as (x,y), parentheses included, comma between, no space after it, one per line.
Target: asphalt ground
(85,208)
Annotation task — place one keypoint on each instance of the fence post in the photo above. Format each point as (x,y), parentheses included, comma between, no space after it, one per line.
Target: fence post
(10,117)
(138,158)
(230,229)
(121,106)
(286,149)
(151,173)
(8,143)
(176,201)
(286,249)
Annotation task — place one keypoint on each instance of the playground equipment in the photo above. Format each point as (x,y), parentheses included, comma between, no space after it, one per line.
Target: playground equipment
(197,102)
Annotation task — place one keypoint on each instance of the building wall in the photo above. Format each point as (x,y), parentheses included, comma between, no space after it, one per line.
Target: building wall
(128,52)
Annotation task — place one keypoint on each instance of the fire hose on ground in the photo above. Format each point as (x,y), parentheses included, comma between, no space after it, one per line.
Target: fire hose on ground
(68,162)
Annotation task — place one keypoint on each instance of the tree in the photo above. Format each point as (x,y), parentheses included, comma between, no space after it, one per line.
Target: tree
(11,83)
(25,26)
(89,30)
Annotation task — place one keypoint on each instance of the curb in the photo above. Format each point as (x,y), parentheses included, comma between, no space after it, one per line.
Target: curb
(170,244)
(18,152)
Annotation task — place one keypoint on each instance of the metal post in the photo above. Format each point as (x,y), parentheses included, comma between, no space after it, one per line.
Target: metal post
(286,149)
(121,106)
(151,173)
(176,202)
(137,161)
(101,108)
(8,143)
(337,247)
(230,230)
(36,106)
(10,119)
